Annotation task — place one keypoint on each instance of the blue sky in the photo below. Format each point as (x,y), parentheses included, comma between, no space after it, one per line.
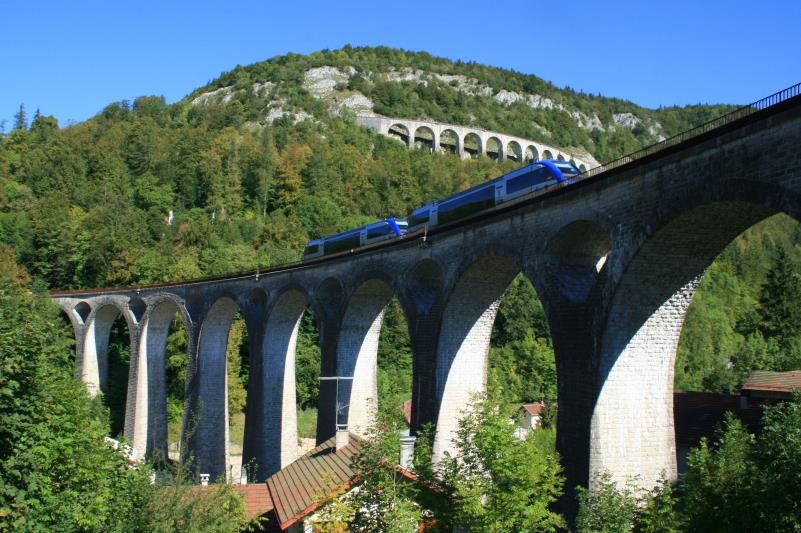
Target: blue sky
(70,59)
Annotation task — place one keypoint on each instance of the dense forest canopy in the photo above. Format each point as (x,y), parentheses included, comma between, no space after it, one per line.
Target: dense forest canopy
(242,172)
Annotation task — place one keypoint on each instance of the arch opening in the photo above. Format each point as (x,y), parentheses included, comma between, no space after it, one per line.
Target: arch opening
(472,351)
(424,138)
(547,154)
(532,154)
(642,334)
(284,376)
(207,418)
(164,349)
(514,151)
(473,146)
(495,148)
(400,132)
(449,142)
(68,331)
(115,390)
(374,349)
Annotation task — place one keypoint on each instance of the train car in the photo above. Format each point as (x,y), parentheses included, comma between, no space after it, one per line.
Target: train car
(515,184)
(390,228)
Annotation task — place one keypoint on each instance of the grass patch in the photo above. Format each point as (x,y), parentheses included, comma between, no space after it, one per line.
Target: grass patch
(307,423)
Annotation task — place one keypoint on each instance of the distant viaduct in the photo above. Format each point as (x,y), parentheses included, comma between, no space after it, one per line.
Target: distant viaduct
(465,141)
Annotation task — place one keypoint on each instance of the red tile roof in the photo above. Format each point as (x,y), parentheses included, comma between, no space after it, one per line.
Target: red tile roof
(760,380)
(257,499)
(534,409)
(301,487)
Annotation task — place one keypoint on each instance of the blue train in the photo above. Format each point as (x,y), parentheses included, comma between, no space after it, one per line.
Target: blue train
(521,182)
(390,228)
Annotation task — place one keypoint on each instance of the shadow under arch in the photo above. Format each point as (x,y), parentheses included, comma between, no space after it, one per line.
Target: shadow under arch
(272,432)
(462,354)
(645,316)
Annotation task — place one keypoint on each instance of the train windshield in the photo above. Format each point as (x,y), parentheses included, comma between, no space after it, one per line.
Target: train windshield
(567,169)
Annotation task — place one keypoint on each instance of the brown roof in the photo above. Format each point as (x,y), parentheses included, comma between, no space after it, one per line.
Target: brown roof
(761,380)
(300,488)
(534,409)
(257,499)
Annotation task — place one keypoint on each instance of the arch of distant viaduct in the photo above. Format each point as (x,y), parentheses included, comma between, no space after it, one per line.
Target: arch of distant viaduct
(615,258)
(466,141)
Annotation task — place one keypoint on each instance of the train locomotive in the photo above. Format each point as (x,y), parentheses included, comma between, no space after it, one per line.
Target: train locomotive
(516,184)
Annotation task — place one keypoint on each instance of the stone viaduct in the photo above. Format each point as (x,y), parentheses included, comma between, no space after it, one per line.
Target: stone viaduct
(435,135)
(616,259)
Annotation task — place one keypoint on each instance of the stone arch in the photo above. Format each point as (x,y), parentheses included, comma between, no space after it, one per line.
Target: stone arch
(272,441)
(401,132)
(425,137)
(645,317)
(494,148)
(514,151)
(94,359)
(137,308)
(450,142)
(532,154)
(572,161)
(81,312)
(560,157)
(546,154)
(579,244)
(473,144)
(150,423)
(330,294)
(583,167)
(357,352)
(207,416)
(463,345)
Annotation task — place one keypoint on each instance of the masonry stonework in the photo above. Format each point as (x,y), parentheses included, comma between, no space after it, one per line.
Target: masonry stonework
(615,260)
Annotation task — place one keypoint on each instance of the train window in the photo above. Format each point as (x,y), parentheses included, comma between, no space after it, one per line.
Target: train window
(538,176)
(311,249)
(567,169)
(467,204)
(342,243)
(419,217)
(378,231)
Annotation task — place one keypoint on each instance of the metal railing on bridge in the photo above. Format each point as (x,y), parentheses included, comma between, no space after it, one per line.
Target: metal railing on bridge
(679,138)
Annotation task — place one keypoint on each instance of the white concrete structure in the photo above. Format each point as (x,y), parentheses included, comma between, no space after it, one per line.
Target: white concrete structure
(434,135)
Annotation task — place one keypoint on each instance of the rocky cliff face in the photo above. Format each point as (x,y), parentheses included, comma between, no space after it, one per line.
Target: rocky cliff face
(492,99)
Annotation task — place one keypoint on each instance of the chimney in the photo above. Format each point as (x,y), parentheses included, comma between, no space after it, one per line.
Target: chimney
(204,480)
(343,436)
(406,452)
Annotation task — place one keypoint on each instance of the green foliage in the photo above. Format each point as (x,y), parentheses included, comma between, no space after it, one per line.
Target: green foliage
(498,482)
(608,508)
(386,500)
(739,482)
(57,473)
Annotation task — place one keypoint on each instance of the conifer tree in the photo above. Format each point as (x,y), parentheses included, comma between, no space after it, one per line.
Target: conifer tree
(21,119)
(779,310)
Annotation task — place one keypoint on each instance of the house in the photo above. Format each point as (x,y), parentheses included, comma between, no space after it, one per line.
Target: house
(291,498)
(530,415)
(771,386)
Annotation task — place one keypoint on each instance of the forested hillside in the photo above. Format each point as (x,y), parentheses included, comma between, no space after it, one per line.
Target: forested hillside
(242,172)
